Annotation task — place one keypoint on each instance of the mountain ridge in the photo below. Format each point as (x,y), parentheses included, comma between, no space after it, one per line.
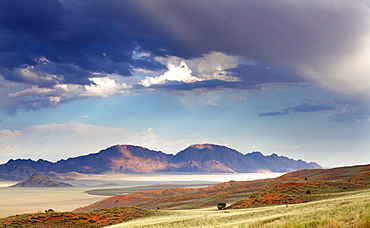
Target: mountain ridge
(41,181)
(131,158)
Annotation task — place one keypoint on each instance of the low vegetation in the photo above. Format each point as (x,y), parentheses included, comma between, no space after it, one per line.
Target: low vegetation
(303,199)
(344,210)
(92,219)
(289,188)
(297,192)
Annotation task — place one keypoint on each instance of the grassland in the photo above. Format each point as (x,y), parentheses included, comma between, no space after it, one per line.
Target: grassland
(349,209)
(91,219)
(346,209)
(31,200)
(340,198)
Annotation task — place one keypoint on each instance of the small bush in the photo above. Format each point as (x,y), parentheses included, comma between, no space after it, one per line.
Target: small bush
(34,220)
(64,220)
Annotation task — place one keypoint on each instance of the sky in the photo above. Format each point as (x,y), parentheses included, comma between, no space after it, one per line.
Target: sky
(290,77)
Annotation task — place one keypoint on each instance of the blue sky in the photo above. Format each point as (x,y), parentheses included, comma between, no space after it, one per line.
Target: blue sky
(285,77)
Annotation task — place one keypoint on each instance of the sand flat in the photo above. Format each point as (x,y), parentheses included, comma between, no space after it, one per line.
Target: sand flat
(30,200)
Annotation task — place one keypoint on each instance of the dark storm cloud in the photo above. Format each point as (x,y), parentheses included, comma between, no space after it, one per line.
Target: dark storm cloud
(76,38)
(183,86)
(80,37)
(262,74)
(252,77)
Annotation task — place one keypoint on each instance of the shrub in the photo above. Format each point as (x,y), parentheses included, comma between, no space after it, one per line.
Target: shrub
(64,220)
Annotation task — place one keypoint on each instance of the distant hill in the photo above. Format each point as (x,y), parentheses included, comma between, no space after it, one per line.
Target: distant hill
(41,181)
(129,158)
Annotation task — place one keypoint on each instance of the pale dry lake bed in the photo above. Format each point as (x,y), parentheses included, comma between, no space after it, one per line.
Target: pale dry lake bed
(31,200)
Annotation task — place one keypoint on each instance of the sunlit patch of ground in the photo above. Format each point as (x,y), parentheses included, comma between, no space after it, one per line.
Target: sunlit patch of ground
(351,210)
(4,184)
(30,200)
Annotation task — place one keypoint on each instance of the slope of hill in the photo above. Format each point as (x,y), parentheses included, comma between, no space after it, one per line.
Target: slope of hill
(41,181)
(351,209)
(128,158)
(292,190)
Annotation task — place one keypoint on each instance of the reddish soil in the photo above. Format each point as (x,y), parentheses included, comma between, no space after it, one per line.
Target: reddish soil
(93,219)
(170,198)
(296,183)
(293,192)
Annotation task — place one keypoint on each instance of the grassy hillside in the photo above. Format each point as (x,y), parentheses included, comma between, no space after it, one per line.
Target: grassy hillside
(350,209)
(353,178)
(293,192)
(340,173)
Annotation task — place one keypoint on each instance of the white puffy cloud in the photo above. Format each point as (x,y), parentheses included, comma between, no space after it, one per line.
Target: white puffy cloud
(103,87)
(180,73)
(209,67)
(215,64)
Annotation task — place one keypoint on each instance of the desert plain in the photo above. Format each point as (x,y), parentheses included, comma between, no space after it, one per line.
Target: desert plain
(31,200)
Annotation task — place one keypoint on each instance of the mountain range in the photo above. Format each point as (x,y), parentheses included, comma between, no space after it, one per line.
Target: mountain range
(130,158)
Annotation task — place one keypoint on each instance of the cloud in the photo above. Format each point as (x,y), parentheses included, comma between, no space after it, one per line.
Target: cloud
(53,44)
(310,108)
(287,147)
(74,139)
(273,113)
(346,73)
(103,87)
(180,73)
(36,97)
(211,66)
(350,111)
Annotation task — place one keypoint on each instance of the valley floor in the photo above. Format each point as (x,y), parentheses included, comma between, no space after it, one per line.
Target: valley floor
(351,209)
(31,200)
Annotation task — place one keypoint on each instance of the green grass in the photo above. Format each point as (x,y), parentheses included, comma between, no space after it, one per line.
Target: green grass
(351,209)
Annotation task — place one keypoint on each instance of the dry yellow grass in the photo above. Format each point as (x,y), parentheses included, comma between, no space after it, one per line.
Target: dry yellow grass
(350,210)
